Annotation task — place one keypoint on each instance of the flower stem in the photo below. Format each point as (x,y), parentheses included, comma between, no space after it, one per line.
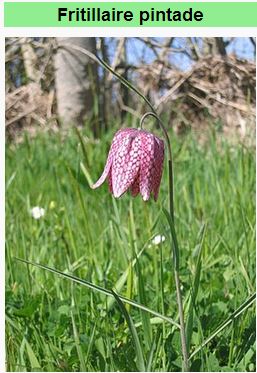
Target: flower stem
(175,250)
(185,365)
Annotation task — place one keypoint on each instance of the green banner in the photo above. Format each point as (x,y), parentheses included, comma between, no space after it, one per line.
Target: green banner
(136,14)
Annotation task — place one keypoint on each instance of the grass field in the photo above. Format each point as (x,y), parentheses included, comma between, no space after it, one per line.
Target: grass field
(55,324)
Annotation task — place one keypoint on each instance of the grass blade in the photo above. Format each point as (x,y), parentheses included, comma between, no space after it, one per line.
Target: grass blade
(83,207)
(34,363)
(21,365)
(122,280)
(144,316)
(147,329)
(130,281)
(100,290)
(138,349)
(227,322)
(86,174)
(90,345)
(175,247)
(194,290)
(82,144)
(10,180)
(151,353)
(78,344)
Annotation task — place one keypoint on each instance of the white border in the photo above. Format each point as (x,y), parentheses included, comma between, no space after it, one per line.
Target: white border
(130,31)
(55,32)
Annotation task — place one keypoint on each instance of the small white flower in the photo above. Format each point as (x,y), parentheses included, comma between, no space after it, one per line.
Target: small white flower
(158,239)
(37,212)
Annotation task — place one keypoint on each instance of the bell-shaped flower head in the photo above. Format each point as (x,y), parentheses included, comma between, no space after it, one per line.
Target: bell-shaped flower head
(135,162)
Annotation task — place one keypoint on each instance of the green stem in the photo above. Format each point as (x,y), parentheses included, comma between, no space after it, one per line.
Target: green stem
(171,203)
(185,366)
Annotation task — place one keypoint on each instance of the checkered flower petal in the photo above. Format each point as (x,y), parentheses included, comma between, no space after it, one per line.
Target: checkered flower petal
(135,163)
(117,142)
(157,166)
(146,164)
(125,165)
(135,189)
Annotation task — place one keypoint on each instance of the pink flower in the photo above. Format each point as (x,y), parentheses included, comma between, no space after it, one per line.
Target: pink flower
(135,162)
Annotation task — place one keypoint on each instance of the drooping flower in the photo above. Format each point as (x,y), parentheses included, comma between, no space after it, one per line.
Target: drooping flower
(135,162)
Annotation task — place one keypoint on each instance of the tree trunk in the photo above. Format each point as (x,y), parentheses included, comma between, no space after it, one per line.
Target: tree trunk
(214,46)
(221,46)
(76,81)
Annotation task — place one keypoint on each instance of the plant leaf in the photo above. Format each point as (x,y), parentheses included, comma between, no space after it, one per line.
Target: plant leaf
(101,290)
(35,366)
(175,247)
(138,349)
(194,290)
(228,321)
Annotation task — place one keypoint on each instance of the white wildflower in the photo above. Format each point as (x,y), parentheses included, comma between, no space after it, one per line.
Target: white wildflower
(37,212)
(158,239)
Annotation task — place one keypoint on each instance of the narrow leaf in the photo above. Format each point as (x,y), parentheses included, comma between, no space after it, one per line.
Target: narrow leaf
(175,247)
(86,174)
(122,280)
(78,344)
(151,353)
(100,290)
(34,363)
(83,147)
(194,290)
(138,349)
(227,322)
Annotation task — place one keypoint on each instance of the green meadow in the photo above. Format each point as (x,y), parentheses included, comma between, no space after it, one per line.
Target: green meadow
(70,320)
